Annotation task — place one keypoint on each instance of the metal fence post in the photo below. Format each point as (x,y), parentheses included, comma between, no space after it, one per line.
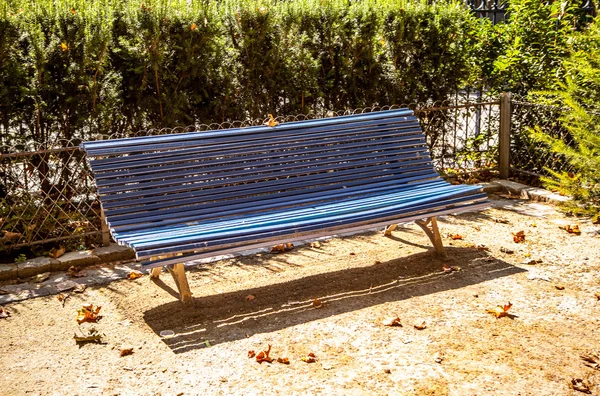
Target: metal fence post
(504,137)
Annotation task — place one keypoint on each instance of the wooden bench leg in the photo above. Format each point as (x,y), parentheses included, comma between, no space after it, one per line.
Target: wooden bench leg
(389,229)
(431,229)
(178,273)
(155,272)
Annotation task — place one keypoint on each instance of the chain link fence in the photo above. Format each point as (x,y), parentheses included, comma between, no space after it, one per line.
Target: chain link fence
(527,155)
(48,197)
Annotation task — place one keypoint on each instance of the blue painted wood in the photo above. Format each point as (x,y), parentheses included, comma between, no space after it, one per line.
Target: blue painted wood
(211,192)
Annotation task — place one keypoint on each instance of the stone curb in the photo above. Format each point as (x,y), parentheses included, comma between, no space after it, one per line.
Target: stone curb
(113,253)
(80,259)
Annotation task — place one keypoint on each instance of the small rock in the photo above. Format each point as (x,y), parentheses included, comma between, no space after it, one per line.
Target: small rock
(506,250)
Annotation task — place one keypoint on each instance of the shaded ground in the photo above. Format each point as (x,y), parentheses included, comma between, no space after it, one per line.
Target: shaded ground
(360,280)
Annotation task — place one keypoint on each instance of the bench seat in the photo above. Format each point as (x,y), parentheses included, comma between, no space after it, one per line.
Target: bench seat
(186,196)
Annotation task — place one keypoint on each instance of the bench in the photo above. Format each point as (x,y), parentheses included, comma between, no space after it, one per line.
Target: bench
(180,197)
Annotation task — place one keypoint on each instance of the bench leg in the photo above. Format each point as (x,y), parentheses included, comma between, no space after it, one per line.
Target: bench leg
(178,273)
(389,229)
(155,272)
(431,229)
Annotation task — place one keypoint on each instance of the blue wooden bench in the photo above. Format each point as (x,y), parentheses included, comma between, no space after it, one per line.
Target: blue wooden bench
(178,197)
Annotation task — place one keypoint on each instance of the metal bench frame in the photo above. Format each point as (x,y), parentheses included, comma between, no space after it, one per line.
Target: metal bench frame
(179,197)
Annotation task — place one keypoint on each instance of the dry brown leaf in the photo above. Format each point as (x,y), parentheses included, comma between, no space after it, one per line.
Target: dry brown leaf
(421,326)
(559,287)
(500,311)
(453,268)
(263,356)
(40,277)
(572,229)
(62,297)
(250,297)
(283,360)
(316,303)
(125,352)
(271,122)
(580,385)
(392,321)
(9,236)
(376,262)
(592,360)
(92,336)
(251,354)
(501,220)
(57,252)
(315,244)
(4,313)
(456,237)
(597,294)
(88,313)
(533,224)
(79,288)
(352,254)
(506,250)
(481,246)
(310,358)
(278,248)
(519,236)
(75,272)
(135,274)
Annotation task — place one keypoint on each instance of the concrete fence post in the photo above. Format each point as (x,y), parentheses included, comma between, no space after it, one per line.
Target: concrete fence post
(504,137)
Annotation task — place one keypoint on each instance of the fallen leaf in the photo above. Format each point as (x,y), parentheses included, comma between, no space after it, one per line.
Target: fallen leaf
(500,310)
(57,252)
(92,336)
(421,326)
(506,250)
(193,27)
(482,247)
(352,254)
(263,356)
(532,262)
(533,224)
(11,236)
(135,274)
(283,360)
(519,236)
(592,360)
(125,352)
(580,385)
(251,354)
(456,237)
(501,220)
(316,245)
(392,321)
(40,277)
(75,272)
(64,47)
(79,288)
(250,297)
(597,294)
(4,313)
(376,262)
(88,313)
(311,358)
(316,303)
(283,247)
(453,268)
(62,297)
(271,122)
(572,229)
(559,287)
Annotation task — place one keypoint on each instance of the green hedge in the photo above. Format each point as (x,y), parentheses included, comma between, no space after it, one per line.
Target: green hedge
(76,69)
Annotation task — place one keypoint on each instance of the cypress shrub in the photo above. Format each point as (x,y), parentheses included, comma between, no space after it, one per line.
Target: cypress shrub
(79,69)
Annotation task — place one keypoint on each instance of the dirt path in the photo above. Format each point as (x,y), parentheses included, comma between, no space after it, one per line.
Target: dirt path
(360,280)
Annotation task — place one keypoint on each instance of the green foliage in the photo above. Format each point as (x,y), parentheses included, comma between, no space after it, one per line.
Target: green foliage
(21,258)
(579,92)
(527,52)
(78,69)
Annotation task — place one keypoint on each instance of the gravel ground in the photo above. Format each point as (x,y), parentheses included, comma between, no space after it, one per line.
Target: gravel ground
(251,302)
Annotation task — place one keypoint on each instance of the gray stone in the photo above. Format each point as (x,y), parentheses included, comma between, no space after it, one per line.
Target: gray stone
(541,195)
(511,187)
(114,253)
(491,187)
(35,266)
(77,259)
(8,271)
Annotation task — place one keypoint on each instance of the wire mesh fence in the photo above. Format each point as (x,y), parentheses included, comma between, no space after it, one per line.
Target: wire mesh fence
(47,194)
(527,155)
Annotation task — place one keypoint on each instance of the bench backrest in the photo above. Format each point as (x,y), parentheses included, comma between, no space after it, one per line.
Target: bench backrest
(172,179)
